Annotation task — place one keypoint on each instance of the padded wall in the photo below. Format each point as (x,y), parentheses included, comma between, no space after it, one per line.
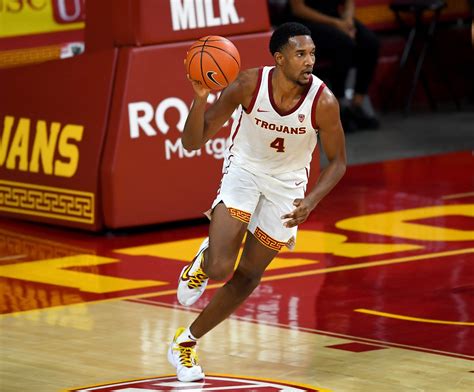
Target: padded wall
(147,22)
(53,120)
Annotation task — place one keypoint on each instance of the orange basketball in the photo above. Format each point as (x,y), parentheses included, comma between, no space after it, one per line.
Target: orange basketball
(214,61)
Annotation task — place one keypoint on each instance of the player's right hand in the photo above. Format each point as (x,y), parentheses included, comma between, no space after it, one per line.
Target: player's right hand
(299,214)
(199,89)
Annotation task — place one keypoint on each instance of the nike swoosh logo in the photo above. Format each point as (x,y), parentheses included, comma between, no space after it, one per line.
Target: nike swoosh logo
(298,183)
(185,275)
(261,110)
(210,75)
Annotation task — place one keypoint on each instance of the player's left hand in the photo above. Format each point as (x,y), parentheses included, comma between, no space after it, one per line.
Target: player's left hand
(299,214)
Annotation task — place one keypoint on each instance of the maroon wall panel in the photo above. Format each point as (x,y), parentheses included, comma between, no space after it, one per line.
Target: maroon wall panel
(99,33)
(145,22)
(53,120)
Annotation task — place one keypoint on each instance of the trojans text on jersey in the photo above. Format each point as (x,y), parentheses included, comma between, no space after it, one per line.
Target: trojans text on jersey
(280,128)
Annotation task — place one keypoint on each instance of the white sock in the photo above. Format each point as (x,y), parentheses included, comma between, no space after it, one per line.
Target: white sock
(186,336)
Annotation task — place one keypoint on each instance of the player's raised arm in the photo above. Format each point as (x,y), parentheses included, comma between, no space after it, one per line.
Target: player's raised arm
(201,125)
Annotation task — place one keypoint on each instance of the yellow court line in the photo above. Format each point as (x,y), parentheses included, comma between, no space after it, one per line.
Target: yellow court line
(339,268)
(320,332)
(244,319)
(369,264)
(13,257)
(358,338)
(268,278)
(408,318)
(458,195)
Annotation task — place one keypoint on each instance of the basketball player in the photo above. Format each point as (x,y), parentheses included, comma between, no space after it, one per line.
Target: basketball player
(281,110)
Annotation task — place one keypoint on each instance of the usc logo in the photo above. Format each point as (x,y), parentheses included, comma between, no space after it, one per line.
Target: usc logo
(17,6)
(64,11)
(68,11)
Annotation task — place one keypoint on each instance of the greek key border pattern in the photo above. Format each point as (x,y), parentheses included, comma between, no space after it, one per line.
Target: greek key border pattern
(268,241)
(240,215)
(49,202)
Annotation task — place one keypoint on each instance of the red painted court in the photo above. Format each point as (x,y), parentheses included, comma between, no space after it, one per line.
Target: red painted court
(383,273)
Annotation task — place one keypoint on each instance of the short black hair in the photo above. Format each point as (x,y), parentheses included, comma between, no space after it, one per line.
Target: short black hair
(284,32)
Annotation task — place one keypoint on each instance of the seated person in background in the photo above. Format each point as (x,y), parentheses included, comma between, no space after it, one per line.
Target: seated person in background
(347,43)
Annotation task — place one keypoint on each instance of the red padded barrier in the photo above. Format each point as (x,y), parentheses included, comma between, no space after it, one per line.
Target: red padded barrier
(99,32)
(146,22)
(53,119)
(94,141)
(147,177)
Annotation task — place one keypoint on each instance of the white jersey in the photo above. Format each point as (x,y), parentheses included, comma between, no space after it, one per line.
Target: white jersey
(265,139)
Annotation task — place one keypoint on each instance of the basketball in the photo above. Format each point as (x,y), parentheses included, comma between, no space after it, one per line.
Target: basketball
(214,61)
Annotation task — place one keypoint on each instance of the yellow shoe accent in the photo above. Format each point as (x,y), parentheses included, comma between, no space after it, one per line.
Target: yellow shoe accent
(187,356)
(179,331)
(193,280)
(184,358)
(197,279)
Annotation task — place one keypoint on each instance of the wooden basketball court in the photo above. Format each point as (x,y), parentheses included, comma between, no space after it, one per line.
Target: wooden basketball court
(377,296)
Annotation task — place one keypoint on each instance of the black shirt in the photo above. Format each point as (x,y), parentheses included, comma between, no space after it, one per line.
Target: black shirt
(327,7)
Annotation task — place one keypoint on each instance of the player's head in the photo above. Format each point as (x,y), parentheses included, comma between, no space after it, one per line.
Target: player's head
(293,50)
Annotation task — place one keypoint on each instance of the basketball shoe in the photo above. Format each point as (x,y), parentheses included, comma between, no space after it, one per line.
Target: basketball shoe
(192,280)
(182,355)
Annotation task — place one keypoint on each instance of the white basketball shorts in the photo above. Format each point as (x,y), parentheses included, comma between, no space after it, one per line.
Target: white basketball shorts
(260,200)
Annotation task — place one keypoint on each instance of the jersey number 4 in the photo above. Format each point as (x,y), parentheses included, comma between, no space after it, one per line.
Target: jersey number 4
(278,144)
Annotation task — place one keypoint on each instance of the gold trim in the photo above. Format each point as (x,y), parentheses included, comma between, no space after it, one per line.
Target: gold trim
(15,57)
(239,214)
(268,241)
(48,202)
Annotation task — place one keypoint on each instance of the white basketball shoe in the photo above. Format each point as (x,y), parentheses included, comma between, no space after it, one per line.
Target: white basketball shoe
(193,280)
(182,355)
